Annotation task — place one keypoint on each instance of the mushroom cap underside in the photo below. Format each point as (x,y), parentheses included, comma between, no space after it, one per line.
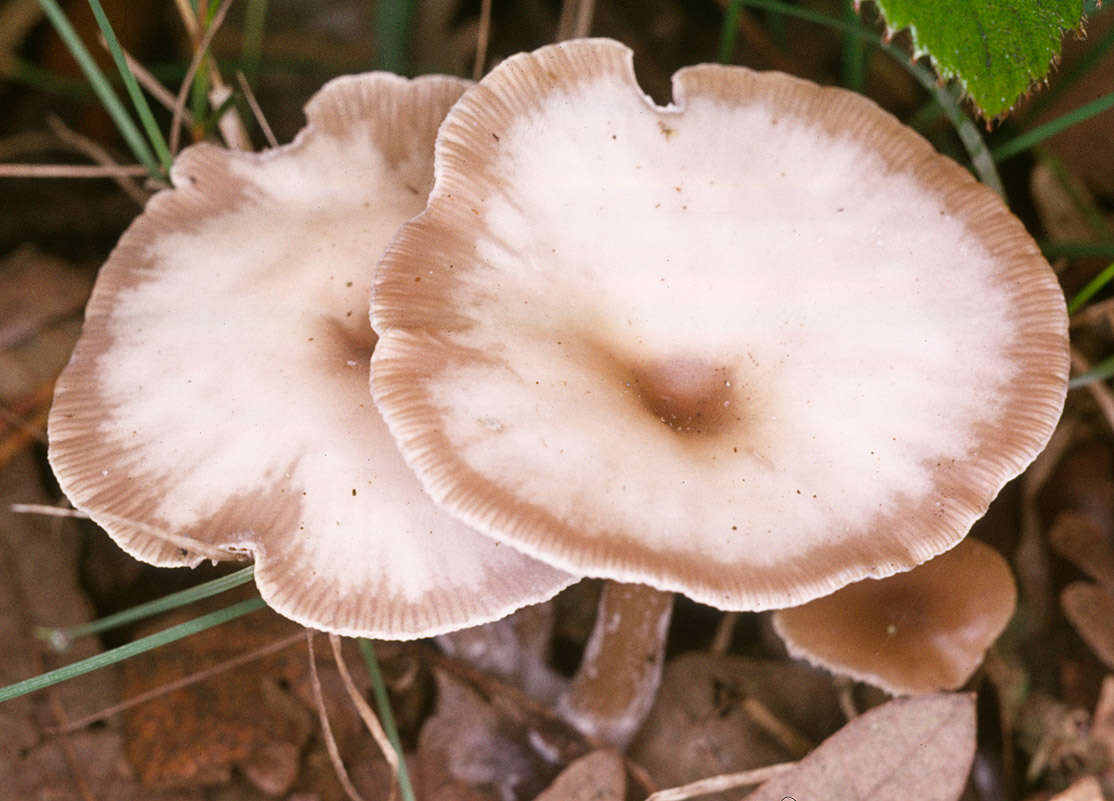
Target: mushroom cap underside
(750,346)
(217,403)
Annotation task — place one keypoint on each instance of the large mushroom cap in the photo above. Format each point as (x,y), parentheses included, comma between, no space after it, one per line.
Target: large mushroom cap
(750,346)
(219,392)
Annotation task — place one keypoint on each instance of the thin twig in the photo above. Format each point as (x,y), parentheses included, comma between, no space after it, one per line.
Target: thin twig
(44,509)
(482,37)
(150,83)
(371,721)
(584,16)
(98,154)
(330,741)
(1100,392)
(178,684)
(18,440)
(725,631)
(727,781)
(69,170)
(790,739)
(35,432)
(187,81)
(256,111)
(68,752)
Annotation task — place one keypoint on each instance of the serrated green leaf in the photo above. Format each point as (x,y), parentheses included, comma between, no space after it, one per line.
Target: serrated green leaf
(996,49)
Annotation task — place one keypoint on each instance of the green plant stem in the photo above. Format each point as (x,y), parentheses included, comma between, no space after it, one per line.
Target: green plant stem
(981,160)
(60,638)
(729,32)
(139,646)
(154,135)
(1077,250)
(1100,372)
(1021,143)
(1093,287)
(101,87)
(392,35)
(383,701)
(853,66)
(251,49)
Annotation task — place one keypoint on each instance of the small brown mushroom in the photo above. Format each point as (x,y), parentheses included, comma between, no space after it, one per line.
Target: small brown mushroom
(217,403)
(751,346)
(920,631)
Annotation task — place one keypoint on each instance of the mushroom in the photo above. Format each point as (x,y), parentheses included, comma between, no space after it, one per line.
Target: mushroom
(920,631)
(751,346)
(217,403)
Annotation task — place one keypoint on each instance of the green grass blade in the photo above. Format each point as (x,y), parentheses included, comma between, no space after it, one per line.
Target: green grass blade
(101,87)
(251,47)
(61,638)
(729,32)
(1019,144)
(1100,372)
(1077,250)
(392,34)
(1094,286)
(853,66)
(154,135)
(383,701)
(139,646)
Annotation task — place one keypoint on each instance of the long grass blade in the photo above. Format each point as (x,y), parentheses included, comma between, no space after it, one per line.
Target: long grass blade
(142,645)
(1094,286)
(101,87)
(61,638)
(154,135)
(1021,143)
(392,35)
(383,701)
(729,32)
(1100,372)
(251,47)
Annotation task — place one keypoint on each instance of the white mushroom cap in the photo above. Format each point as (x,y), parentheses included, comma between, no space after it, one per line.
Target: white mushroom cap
(750,346)
(219,391)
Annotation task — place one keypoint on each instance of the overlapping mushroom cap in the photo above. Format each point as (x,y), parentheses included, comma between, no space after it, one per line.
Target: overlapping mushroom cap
(750,346)
(218,399)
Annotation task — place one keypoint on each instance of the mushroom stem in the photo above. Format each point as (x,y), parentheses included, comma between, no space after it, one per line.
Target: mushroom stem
(619,675)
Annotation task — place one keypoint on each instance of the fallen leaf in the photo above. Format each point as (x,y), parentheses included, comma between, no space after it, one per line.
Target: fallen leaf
(1081,540)
(1085,789)
(467,744)
(918,748)
(1090,608)
(194,736)
(598,776)
(704,721)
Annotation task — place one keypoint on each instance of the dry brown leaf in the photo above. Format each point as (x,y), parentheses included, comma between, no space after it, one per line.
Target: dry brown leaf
(1090,608)
(467,744)
(195,736)
(703,722)
(920,747)
(598,776)
(1081,540)
(1102,725)
(1085,789)
(36,289)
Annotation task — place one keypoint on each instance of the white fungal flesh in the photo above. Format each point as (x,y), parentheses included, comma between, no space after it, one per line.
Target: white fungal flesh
(737,332)
(228,357)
